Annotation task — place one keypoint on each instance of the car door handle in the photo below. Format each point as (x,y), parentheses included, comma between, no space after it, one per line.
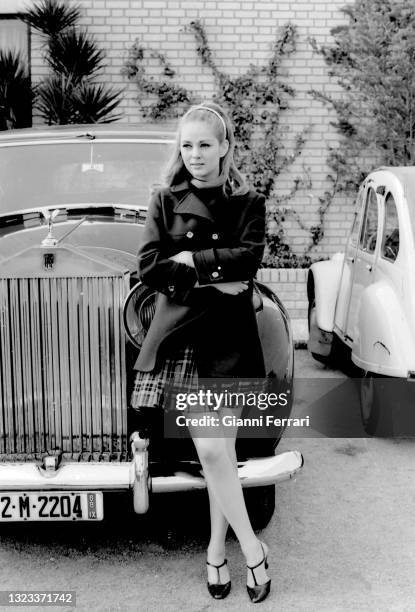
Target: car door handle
(350,259)
(368,267)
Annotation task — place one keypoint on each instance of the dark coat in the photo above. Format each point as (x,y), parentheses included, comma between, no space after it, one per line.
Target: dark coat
(227,246)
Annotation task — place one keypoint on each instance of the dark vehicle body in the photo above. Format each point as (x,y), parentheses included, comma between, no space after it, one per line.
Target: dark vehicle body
(73,204)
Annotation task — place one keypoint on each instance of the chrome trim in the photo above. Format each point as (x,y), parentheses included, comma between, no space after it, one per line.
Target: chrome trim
(75,140)
(121,476)
(252,473)
(62,366)
(97,476)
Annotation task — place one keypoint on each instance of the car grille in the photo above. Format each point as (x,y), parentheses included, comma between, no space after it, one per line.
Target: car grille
(62,368)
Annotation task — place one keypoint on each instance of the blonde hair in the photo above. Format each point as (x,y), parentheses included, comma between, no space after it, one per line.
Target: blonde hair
(214,115)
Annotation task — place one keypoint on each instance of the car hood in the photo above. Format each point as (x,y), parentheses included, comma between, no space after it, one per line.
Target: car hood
(113,240)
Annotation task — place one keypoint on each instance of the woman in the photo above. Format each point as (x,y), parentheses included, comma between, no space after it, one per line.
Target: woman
(202,245)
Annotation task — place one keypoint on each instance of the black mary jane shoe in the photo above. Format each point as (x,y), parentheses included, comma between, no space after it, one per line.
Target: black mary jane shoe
(218,590)
(259,592)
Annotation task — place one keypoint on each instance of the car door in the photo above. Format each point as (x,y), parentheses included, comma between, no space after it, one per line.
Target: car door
(346,282)
(365,259)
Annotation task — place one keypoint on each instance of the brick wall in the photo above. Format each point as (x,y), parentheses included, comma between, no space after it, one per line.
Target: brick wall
(291,287)
(239,32)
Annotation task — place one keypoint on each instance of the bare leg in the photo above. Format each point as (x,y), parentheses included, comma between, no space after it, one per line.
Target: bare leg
(216,548)
(219,524)
(224,484)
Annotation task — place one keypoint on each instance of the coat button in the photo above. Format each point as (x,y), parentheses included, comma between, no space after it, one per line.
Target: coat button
(215,274)
(189,235)
(215,236)
(170,288)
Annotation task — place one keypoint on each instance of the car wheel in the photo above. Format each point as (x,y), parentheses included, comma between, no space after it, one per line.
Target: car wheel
(170,512)
(339,355)
(368,406)
(312,323)
(260,503)
(375,407)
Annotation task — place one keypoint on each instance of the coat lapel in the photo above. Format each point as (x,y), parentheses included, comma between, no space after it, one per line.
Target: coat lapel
(188,203)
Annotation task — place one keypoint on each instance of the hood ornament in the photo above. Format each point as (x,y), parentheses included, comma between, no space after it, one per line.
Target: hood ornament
(49,215)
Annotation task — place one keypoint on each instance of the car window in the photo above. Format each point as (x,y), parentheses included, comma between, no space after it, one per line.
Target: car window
(354,234)
(91,172)
(368,237)
(390,238)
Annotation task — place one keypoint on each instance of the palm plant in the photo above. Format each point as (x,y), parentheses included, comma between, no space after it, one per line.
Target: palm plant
(69,94)
(95,103)
(54,100)
(50,17)
(16,94)
(61,101)
(74,54)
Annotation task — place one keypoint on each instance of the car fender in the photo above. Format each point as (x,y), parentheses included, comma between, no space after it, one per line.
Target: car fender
(385,344)
(277,343)
(323,286)
(276,336)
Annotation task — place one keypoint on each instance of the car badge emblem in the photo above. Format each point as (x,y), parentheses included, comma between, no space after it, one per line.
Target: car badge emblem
(49,216)
(48,261)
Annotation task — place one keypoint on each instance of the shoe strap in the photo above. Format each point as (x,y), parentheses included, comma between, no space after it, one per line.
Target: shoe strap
(217,566)
(251,568)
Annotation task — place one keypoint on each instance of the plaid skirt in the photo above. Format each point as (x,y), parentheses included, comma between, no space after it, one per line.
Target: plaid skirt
(177,374)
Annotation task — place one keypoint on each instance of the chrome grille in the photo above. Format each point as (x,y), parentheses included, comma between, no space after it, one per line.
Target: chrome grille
(62,367)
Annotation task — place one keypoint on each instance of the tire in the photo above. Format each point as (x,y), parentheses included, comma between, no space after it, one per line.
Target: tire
(170,516)
(375,407)
(339,355)
(369,412)
(325,359)
(260,503)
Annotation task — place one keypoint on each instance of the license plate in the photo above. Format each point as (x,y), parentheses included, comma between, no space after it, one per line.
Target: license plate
(51,506)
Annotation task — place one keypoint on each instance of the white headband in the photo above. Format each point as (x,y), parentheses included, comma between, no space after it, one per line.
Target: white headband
(211,110)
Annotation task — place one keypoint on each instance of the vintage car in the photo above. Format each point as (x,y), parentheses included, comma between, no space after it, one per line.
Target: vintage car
(72,207)
(363,300)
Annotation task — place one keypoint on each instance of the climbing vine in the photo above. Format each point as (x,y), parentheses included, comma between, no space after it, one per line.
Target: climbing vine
(372,59)
(166,97)
(255,100)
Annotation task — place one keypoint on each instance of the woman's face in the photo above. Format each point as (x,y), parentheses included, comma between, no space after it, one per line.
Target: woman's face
(201,150)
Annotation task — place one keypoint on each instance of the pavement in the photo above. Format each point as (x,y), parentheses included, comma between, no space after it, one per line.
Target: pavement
(300,332)
(342,538)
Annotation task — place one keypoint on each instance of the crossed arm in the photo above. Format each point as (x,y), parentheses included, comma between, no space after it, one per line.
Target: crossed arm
(230,288)
(225,269)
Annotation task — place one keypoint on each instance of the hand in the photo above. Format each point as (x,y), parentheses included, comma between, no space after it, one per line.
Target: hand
(232,288)
(184,257)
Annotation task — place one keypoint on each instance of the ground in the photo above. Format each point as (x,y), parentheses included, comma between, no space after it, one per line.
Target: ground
(341,539)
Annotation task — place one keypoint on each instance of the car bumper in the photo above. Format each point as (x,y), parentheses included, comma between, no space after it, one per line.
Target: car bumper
(112,477)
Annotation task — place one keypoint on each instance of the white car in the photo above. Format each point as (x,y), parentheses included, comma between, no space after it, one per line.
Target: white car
(363,300)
